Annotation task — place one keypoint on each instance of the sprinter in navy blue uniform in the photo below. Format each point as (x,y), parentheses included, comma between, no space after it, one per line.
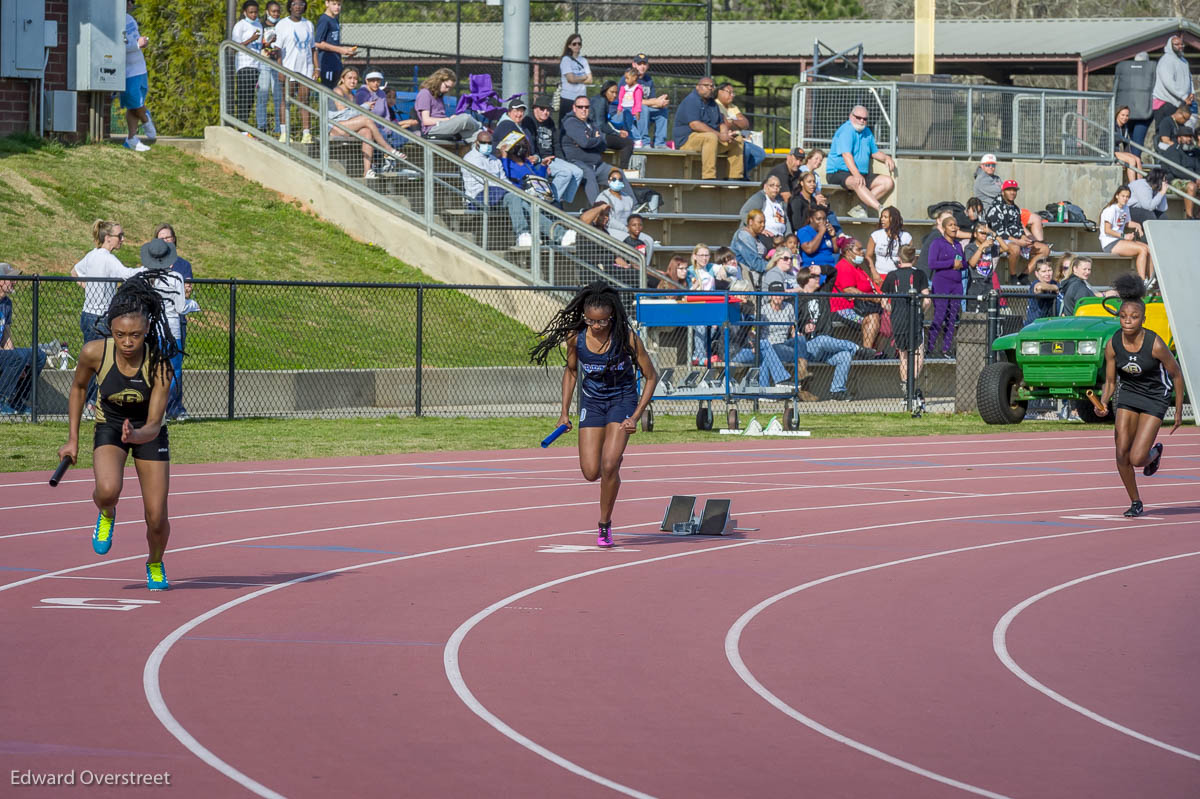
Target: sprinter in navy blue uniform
(132,367)
(600,343)
(1140,372)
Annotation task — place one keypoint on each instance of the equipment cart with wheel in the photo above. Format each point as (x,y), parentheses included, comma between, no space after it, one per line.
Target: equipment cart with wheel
(708,382)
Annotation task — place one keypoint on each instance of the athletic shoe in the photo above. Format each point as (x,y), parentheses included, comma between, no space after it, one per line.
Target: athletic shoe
(604,536)
(283,137)
(156,577)
(857,211)
(102,533)
(136,145)
(1150,468)
(568,239)
(1135,509)
(370,175)
(306,137)
(524,240)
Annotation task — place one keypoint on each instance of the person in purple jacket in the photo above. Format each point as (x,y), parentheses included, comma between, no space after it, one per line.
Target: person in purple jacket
(946,261)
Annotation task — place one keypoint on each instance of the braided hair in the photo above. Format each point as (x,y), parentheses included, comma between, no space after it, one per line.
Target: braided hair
(137,295)
(567,323)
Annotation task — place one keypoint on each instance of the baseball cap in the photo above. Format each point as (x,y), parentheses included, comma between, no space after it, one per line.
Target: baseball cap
(797,152)
(518,103)
(988,159)
(640,58)
(8,270)
(543,101)
(1009,184)
(376,76)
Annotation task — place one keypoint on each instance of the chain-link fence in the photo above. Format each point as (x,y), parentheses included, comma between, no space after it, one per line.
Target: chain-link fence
(956,120)
(274,349)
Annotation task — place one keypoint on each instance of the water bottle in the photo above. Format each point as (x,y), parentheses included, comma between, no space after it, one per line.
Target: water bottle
(1061,212)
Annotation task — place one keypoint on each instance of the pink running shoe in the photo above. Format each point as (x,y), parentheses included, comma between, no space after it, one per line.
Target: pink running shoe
(604,537)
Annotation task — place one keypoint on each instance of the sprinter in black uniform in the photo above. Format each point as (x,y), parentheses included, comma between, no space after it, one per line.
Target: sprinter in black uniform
(1140,372)
(132,367)
(596,330)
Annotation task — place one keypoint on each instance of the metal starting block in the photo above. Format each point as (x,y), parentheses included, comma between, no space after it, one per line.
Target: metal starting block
(713,520)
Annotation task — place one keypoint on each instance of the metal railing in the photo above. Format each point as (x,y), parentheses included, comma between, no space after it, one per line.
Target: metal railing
(957,120)
(1158,158)
(425,187)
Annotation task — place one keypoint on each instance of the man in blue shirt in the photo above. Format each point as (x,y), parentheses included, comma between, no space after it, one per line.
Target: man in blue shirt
(329,47)
(850,157)
(14,362)
(654,109)
(700,127)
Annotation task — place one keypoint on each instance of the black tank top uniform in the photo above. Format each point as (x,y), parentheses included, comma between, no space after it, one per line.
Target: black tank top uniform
(1143,384)
(120,398)
(609,384)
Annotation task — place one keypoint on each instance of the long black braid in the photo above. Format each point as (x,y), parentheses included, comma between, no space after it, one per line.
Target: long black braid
(567,323)
(137,295)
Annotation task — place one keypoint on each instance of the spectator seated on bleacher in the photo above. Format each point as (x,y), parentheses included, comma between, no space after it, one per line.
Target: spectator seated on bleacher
(983,260)
(700,269)
(780,311)
(739,124)
(636,239)
(531,179)
(788,172)
(850,155)
(1008,220)
(988,187)
(431,111)
(544,145)
(1148,196)
(806,198)
(883,248)
(814,340)
(1114,238)
(373,97)
(1043,293)
(725,268)
(480,194)
(655,114)
(858,307)
(583,145)
(699,127)
(768,200)
(818,247)
(812,163)
(616,138)
(675,275)
(627,112)
(620,199)
(781,270)
(345,119)
(1122,142)
(1076,286)
(749,247)
(1180,156)
(970,217)
(744,336)
(947,262)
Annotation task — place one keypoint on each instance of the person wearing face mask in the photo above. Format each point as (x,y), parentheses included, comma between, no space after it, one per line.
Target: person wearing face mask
(850,156)
(248,32)
(620,201)
(854,282)
(478,191)
(270,83)
(545,145)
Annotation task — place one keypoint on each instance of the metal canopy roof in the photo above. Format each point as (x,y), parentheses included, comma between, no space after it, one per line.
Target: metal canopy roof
(788,39)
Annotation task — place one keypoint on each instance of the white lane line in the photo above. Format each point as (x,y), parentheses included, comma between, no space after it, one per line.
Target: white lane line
(1000,647)
(734,656)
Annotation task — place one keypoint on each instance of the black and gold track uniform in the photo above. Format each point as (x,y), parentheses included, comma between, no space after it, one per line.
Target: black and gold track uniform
(120,398)
(1142,381)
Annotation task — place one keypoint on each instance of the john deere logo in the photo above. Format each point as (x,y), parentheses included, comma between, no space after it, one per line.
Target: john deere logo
(127,397)
(1058,348)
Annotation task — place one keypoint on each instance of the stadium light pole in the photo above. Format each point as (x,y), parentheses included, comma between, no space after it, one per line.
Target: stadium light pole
(923,18)
(515,72)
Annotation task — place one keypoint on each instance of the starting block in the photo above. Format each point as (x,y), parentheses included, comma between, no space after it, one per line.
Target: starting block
(713,520)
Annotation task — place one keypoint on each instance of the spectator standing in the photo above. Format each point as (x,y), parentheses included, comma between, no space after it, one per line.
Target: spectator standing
(615,138)
(850,156)
(749,248)
(1172,80)
(818,251)
(297,45)
(1148,196)
(328,42)
(752,154)
(583,145)
(576,75)
(883,248)
(15,380)
(655,114)
(1043,293)
(430,107)
(770,202)
(479,192)
(946,261)
(137,82)
(983,257)
(544,143)
(1133,87)
(856,305)
(1076,286)
(175,408)
(1005,219)
(699,127)
(248,32)
(908,327)
(1114,219)
(270,80)
(788,173)
(1122,137)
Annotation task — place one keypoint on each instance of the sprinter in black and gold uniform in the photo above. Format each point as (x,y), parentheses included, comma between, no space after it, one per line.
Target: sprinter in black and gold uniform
(1140,373)
(133,374)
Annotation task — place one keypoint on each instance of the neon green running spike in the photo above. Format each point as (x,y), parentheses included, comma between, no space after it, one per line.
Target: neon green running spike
(156,577)
(102,534)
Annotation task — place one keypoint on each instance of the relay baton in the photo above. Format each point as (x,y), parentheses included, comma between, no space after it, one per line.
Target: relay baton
(558,431)
(63,465)
(1099,406)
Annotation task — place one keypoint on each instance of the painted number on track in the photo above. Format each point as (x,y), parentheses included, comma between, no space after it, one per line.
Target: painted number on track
(86,603)
(559,549)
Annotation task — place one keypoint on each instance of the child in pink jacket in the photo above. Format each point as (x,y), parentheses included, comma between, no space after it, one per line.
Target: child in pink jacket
(629,104)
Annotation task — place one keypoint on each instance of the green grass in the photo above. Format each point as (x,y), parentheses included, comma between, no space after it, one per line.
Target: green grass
(229,227)
(32,447)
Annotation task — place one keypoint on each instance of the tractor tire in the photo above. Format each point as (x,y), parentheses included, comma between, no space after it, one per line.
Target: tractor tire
(994,394)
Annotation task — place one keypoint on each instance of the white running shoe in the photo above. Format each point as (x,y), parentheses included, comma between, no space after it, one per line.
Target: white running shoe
(306,137)
(370,175)
(136,145)
(568,239)
(524,240)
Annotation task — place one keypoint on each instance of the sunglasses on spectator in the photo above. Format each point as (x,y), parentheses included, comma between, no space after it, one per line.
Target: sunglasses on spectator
(577,105)
(856,116)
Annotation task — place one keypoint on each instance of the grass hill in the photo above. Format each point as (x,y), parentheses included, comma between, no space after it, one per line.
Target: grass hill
(229,227)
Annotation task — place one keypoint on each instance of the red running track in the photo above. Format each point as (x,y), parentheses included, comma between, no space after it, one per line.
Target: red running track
(912,618)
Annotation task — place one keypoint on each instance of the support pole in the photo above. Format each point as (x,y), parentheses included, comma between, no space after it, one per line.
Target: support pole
(923,17)
(516,47)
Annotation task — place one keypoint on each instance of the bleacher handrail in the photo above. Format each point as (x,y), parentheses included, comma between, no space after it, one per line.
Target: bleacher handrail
(428,150)
(1142,149)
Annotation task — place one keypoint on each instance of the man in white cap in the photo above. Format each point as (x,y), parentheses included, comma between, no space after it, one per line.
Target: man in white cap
(14,361)
(373,97)
(988,186)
